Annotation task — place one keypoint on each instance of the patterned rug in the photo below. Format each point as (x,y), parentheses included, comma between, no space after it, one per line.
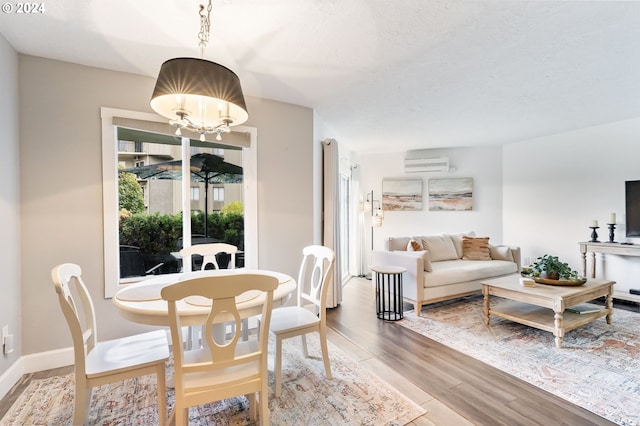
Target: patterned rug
(354,396)
(597,368)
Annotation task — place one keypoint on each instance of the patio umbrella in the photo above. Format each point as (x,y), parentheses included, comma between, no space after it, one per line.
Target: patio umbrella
(207,168)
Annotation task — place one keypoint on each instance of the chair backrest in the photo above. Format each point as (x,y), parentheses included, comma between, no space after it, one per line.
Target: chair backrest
(80,317)
(208,253)
(220,293)
(314,276)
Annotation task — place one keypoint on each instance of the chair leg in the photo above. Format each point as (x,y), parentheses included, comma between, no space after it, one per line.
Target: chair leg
(82,399)
(325,352)
(278,366)
(182,416)
(162,394)
(264,405)
(305,350)
(245,329)
(252,406)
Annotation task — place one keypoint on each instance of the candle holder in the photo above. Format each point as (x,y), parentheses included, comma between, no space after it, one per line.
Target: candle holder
(594,234)
(612,228)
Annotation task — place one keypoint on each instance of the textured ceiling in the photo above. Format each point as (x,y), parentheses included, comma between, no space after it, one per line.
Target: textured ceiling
(382,75)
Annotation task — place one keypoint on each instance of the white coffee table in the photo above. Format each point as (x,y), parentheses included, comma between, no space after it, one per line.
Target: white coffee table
(543,306)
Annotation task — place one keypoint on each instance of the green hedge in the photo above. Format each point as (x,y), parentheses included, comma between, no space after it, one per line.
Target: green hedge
(158,234)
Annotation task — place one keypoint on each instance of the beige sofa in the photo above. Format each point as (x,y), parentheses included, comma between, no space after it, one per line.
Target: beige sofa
(446,266)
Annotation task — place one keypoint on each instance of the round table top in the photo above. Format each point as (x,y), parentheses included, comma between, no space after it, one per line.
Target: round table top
(141,302)
(384,269)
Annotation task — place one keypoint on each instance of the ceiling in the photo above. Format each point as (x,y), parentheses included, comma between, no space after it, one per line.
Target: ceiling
(381,75)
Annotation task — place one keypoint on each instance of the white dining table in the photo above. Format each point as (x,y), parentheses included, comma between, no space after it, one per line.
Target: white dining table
(142,303)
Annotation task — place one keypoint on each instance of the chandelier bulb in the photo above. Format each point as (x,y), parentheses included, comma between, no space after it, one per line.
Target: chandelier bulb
(178,132)
(202,138)
(218,137)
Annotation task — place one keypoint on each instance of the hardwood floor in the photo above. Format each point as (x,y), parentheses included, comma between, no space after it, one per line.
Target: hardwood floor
(453,387)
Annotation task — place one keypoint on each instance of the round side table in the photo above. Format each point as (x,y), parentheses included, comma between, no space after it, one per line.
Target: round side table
(389,292)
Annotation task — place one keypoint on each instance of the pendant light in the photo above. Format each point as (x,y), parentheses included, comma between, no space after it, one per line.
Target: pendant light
(197,94)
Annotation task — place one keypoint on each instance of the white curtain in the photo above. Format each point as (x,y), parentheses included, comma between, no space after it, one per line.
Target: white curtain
(331,215)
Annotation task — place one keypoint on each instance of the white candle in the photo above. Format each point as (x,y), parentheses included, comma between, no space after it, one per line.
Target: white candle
(612,218)
(594,224)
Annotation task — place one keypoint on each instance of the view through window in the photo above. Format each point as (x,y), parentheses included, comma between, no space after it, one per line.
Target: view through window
(150,202)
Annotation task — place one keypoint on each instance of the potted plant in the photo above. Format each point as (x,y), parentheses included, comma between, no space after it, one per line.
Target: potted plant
(551,267)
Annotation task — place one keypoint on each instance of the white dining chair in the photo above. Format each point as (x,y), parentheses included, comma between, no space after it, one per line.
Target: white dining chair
(100,362)
(221,368)
(208,253)
(309,314)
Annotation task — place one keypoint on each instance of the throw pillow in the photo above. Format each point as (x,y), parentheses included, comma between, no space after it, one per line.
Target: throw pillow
(414,246)
(500,253)
(475,248)
(426,259)
(457,241)
(440,247)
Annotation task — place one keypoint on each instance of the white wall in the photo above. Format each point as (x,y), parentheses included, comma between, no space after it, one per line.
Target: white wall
(9,201)
(555,186)
(484,165)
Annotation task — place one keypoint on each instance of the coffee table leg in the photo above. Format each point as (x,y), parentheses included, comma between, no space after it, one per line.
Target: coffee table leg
(609,305)
(485,308)
(559,331)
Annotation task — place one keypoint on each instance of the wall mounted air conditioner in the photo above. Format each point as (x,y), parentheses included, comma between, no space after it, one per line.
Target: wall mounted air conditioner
(437,164)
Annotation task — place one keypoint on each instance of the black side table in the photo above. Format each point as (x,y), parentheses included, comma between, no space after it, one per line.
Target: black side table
(389,292)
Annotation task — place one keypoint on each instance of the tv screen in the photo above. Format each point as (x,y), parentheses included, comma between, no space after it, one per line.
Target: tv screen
(632,199)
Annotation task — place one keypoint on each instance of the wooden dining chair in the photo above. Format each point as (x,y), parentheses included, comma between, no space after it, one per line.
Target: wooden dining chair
(309,314)
(100,362)
(208,253)
(221,368)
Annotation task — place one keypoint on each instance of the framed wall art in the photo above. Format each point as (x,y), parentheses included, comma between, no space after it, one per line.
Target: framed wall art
(402,194)
(450,194)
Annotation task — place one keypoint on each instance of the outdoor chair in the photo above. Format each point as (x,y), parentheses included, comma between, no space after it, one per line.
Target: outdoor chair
(221,368)
(132,263)
(98,363)
(309,314)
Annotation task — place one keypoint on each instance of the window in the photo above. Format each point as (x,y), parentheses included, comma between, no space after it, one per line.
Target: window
(195,193)
(218,194)
(114,119)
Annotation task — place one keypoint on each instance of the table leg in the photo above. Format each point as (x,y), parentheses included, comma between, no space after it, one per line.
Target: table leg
(559,330)
(593,264)
(485,308)
(584,263)
(609,304)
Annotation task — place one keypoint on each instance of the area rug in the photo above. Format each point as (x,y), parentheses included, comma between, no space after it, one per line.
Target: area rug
(597,368)
(354,396)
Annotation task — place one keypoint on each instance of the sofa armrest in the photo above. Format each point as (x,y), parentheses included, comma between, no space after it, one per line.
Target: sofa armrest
(413,280)
(516,253)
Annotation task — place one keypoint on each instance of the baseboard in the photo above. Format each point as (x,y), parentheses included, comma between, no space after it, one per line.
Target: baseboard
(34,362)
(11,377)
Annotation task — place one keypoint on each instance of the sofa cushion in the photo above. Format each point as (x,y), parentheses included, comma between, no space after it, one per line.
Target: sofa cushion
(396,243)
(440,247)
(501,253)
(457,271)
(457,241)
(414,245)
(475,248)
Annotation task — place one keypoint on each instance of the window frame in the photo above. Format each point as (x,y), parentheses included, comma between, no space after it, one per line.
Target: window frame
(112,281)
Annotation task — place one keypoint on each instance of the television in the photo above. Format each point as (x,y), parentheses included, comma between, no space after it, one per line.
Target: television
(632,209)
